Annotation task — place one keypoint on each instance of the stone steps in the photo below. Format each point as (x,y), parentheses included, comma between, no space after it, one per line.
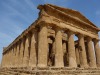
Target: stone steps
(7,72)
(51,71)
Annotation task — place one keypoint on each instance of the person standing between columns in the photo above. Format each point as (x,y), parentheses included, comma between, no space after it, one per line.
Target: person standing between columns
(42,46)
(92,62)
(58,48)
(71,50)
(97,52)
(83,60)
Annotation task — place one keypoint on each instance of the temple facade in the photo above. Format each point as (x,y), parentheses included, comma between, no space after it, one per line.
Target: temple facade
(49,41)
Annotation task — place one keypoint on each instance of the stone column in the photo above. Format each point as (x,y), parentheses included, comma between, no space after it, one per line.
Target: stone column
(22,47)
(26,51)
(2,63)
(5,60)
(19,47)
(42,46)
(58,48)
(83,58)
(97,52)
(16,57)
(91,53)
(33,49)
(71,50)
(53,53)
(10,57)
(14,54)
(77,56)
(64,47)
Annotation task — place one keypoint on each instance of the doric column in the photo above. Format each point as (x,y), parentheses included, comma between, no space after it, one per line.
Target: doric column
(77,56)
(42,46)
(22,47)
(33,49)
(13,56)
(26,51)
(64,47)
(19,47)
(10,57)
(97,52)
(58,48)
(16,57)
(91,53)
(53,53)
(3,58)
(15,61)
(83,59)
(7,59)
(71,50)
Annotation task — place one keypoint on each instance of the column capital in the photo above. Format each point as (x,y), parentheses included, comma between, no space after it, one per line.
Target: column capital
(89,38)
(70,32)
(33,30)
(42,24)
(58,28)
(80,35)
(96,40)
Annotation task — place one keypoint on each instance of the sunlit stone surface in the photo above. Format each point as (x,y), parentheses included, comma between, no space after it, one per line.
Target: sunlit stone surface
(48,47)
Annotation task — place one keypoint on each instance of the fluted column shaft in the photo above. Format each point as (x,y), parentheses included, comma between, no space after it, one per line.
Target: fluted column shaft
(91,55)
(13,55)
(97,52)
(3,60)
(16,58)
(22,47)
(15,49)
(10,57)
(42,46)
(83,58)
(33,49)
(64,47)
(58,46)
(71,50)
(26,51)
(77,56)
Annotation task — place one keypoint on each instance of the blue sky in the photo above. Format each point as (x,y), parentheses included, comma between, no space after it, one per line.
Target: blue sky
(17,15)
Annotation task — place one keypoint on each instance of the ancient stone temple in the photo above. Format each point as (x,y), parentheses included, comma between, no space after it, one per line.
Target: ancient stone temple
(47,46)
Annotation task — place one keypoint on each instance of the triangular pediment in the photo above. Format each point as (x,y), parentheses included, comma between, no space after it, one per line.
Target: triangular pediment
(75,14)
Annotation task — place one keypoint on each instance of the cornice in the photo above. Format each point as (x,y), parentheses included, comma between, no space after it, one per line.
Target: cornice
(51,10)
